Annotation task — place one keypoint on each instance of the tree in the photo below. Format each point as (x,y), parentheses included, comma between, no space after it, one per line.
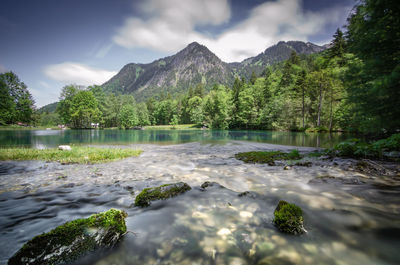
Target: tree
(65,104)
(301,86)
(128,117)
(195,109)
(253,78)
(142,114)
(84,110)
(373,36)
(16,102)
(337,45)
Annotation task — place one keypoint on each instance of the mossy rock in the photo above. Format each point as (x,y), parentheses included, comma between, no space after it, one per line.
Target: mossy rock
(72,240)
(160,193)
(289,218)
(268,157)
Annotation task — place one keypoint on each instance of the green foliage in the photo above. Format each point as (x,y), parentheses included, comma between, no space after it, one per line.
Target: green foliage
(84,110)
(162,192)
(81,155)
(288,217)
(373,83)
(356,148)
(16,103)
(128,117)
(267,157)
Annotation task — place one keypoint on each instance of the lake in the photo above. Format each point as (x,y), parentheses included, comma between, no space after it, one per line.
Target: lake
(53,138)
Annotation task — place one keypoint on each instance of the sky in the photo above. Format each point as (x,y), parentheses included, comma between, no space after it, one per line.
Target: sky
(50,44)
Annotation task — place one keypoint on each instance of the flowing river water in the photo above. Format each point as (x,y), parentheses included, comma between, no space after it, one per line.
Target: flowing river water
(351,217)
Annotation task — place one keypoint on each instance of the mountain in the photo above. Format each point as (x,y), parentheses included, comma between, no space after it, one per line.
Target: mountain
(274,54)
(192,65)
(197,64)
(48,108)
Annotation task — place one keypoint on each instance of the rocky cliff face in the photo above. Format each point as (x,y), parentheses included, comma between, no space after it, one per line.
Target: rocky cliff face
(196,64)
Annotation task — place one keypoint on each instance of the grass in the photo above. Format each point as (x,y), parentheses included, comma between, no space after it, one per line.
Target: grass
(173,127)
(267,157)
(80,155)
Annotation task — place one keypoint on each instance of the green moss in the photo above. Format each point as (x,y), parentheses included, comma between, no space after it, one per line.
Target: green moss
(160,193)
(81,155)
(73,239)
(289,218)
(267,157)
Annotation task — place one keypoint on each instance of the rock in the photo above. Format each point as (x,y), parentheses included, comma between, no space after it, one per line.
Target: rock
(287,168)
(289,218)
(72,240)
(303,164)
(64,147)
(208,184)
(160,193)
(248,194)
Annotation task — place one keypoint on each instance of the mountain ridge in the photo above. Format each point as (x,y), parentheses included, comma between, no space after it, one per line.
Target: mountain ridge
(197,64)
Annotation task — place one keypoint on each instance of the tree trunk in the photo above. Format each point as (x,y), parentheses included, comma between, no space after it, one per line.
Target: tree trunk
(319,106)
(331,114)
(303,107)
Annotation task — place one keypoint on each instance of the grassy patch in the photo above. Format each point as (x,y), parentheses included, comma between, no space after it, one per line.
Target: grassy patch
(267,157)
(81,155)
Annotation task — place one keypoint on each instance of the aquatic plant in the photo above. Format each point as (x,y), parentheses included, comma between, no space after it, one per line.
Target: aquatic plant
(378,149)
(80,155)
(267,157)
(162,192)
(288,218)
(71,240)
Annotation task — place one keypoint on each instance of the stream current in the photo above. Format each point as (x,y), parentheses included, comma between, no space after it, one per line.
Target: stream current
(352,218)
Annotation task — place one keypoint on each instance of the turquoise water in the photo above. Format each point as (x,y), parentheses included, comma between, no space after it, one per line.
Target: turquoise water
(53,138)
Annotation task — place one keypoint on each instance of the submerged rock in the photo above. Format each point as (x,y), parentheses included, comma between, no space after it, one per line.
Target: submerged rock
(208,184)
(160,193)
(304,164)
(289,218)
(71,240)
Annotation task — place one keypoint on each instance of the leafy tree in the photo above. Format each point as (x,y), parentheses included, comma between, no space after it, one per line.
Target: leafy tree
(84,109)
(195,109)
(16,103)
(142,114)
(128,117)
(64,107)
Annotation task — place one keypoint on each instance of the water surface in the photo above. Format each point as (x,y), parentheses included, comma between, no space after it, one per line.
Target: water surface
(53,138)
(353,219)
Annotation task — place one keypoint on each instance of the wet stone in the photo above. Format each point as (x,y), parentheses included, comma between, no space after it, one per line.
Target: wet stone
(72,240)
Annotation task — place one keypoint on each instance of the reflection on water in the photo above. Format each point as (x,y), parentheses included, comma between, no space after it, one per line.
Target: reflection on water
(52,138)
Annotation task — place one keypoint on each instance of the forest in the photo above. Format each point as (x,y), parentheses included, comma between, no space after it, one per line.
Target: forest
(351,86)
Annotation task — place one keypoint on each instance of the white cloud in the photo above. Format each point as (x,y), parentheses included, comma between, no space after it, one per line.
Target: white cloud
(77,73)
(171,25)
